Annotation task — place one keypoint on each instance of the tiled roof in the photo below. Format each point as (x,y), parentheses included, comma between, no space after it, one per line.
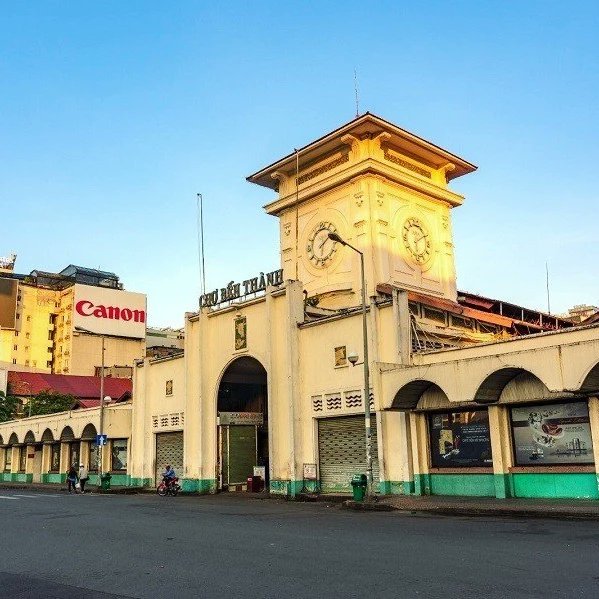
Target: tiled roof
(24,384)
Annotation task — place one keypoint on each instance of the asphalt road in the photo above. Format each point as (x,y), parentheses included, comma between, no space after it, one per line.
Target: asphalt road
(57,545)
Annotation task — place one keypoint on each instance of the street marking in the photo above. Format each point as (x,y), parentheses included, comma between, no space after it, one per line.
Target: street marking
(6,497)
(30,496)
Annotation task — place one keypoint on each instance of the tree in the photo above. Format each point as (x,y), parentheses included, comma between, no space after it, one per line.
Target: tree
(49,402)
(9,407)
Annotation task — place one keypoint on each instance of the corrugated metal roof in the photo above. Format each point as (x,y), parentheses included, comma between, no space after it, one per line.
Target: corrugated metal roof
(24,384)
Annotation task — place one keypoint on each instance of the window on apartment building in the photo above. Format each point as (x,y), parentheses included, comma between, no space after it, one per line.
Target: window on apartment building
(18,316)
(49,364)
(28,318)
(14,360)
(15,347)
(26,362)
(35,363)
(16,333)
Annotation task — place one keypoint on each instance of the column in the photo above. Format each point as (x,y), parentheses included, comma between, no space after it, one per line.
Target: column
(594,422)
(398,475)
(16,454)
(30,449)
(64,458)
(46,460)
(499,430)
(84,453)
(419,453)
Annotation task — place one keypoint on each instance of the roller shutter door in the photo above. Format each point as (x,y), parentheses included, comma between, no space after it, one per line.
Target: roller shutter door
(342,452)
(169,450)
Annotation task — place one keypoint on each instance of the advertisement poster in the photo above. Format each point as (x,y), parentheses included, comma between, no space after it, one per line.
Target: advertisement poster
(553,434)
(460,439)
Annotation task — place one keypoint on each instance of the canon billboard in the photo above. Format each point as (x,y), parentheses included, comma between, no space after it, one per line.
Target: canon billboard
(110,311)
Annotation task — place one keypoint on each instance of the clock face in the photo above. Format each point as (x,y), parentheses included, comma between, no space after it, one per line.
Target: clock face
(320,248)
(417,240)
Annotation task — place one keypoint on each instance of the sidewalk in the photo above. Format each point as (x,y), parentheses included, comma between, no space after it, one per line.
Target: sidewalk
(561,509)
(62,487)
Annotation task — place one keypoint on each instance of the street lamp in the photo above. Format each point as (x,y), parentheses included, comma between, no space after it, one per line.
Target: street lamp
(338,239)
(101,433)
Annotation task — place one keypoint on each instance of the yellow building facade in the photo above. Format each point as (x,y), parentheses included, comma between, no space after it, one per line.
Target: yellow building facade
(43,336)
(265,380)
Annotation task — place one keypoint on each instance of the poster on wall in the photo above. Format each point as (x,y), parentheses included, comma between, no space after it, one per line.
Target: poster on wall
(460,440)
(552,434)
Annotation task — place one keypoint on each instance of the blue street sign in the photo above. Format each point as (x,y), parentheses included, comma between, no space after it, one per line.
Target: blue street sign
(101,439)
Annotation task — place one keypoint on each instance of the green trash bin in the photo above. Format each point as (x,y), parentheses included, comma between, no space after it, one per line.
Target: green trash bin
(105,482)
(358,484)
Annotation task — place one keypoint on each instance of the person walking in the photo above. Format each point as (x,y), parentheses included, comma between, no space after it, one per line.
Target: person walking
(83,477)
(72,478)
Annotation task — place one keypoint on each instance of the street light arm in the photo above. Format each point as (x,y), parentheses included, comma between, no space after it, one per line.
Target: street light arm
(339,239)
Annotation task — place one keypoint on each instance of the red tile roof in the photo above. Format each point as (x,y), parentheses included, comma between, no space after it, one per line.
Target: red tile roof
(24,384)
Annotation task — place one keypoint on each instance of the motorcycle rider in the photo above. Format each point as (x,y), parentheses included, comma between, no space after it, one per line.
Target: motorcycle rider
(169,475)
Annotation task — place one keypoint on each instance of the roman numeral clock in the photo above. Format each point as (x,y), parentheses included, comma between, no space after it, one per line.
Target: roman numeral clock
(417,240)
(319,248)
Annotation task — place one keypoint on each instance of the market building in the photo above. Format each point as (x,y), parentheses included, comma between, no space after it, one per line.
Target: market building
(469,395)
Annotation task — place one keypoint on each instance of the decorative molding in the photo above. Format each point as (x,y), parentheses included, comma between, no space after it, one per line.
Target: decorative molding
(359,197)
(405,164)
(287,229)
(323,169)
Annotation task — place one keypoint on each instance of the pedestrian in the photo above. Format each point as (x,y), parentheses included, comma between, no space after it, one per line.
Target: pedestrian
(83,476)
(72,478)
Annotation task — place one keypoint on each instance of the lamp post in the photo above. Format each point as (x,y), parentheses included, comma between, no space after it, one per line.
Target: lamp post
(101,432)
(338,239)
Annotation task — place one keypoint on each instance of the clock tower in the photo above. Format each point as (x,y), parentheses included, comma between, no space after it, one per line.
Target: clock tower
(380,188)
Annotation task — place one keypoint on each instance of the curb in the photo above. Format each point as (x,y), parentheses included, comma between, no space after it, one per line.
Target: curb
(473,512)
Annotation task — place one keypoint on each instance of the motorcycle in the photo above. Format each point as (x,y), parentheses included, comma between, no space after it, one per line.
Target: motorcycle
(171,487)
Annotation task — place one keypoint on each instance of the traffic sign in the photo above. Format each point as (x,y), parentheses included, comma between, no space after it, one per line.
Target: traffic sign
(101,439)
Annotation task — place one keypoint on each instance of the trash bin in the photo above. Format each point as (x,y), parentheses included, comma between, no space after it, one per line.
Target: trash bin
(105,482)
(359,483)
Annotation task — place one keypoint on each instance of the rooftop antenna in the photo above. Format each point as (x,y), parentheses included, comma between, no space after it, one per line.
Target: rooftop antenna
(200,226)
(547,281)
(356,90)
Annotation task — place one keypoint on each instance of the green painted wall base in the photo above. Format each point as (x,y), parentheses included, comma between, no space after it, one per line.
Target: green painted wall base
(473,485)
(139,482)
(288,488)
(396,487)
(54,478)
(575,485)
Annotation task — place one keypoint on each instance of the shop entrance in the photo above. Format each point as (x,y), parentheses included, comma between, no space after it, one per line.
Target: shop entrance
(242,411)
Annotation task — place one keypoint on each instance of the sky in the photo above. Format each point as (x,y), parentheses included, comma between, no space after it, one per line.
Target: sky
(114,115)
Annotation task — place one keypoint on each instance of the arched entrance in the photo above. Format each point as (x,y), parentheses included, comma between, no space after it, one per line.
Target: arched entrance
(242,410)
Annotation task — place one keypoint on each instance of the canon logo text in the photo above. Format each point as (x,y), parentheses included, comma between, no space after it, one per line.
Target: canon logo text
(87,308)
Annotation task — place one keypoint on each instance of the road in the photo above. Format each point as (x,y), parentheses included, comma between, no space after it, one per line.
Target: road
(101,547)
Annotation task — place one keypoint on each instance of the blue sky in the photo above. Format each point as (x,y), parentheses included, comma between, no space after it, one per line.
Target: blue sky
(113,115)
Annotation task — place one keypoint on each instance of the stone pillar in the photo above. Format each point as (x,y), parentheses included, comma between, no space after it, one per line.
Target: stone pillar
(30,449)
(594,422)
(419,453)
(16,454)
(64,457)
(46,459)
(398,477)
(401,317)
(499,429)
(84,453)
